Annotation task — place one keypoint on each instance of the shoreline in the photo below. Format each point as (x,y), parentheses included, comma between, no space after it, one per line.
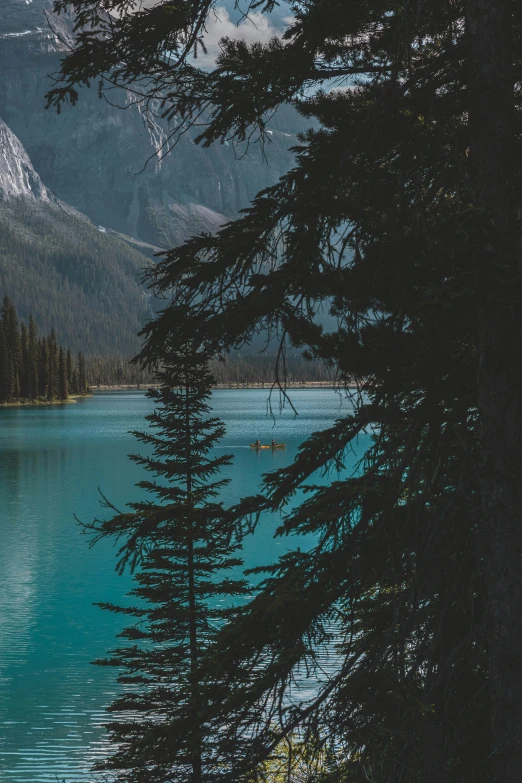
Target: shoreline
(267,386)
(73,398)
(291,385)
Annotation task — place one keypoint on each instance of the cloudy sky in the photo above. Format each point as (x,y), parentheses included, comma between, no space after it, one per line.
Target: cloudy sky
(278,14)
(228,21)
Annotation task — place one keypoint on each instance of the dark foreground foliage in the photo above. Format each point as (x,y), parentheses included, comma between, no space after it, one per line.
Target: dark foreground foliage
(401,218)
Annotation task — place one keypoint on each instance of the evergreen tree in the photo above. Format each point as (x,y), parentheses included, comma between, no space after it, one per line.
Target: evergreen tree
(182,542)
(14,350)
(31,367)
(43,367)
(33,359)
(402,219)
(25,364)
(75,389)
(52,366)
(69,368)
(63,388)
(82,377)
(4,366)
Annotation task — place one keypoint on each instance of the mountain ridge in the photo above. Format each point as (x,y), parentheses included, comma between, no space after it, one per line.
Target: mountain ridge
(80,212)
(68,273)
(91,156)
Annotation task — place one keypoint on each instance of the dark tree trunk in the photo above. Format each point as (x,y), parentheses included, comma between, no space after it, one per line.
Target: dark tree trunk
(492,132)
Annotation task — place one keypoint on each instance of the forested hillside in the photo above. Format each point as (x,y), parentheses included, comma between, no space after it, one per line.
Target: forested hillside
(85,283)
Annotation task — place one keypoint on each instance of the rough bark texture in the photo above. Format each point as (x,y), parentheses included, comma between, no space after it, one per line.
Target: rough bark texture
(492,129)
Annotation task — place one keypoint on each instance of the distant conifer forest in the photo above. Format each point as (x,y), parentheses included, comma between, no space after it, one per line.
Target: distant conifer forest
(236,369)
(36,367)
(33,367)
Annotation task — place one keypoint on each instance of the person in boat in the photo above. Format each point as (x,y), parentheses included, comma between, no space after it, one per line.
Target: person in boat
(273,443)
(258,442)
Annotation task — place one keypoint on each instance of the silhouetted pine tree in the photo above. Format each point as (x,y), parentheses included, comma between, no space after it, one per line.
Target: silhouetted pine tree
(182,541)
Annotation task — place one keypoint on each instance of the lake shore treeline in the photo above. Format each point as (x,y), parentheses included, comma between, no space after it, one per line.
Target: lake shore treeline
(236,369)
(36,368)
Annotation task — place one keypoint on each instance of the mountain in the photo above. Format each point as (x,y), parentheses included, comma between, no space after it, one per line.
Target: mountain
(18,179)
(94,156)
(86,198)
(54,263)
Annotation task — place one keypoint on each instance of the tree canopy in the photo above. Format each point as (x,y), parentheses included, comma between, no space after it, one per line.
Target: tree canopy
(401,218)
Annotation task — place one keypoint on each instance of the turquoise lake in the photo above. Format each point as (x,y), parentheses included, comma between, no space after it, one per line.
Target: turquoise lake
(52,462)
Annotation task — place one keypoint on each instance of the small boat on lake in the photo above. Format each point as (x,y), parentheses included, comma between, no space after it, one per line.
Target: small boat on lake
(270,446)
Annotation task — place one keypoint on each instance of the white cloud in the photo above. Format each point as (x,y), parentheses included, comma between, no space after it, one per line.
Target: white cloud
(256,28)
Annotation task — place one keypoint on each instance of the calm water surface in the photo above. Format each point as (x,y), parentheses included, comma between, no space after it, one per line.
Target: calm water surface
(52,460)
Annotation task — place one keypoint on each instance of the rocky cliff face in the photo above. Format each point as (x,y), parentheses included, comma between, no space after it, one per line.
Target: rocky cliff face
(91,156)
(18,179)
